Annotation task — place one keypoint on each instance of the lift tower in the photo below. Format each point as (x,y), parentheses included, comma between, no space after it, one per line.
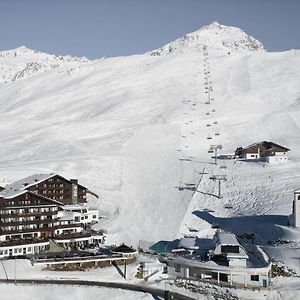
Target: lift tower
(218,178)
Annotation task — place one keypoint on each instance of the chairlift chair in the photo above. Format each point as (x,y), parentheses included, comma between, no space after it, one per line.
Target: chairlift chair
(215,226)
(228,206)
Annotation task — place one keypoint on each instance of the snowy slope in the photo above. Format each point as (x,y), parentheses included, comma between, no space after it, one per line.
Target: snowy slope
(134,129)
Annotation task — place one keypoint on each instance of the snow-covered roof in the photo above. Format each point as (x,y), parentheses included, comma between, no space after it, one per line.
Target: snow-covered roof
(16,188)
(187,242)
(227,239)
(11,193)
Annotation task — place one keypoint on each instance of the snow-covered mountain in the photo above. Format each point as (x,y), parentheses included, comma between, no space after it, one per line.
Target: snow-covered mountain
(135,129)
(22,63)
(215,36)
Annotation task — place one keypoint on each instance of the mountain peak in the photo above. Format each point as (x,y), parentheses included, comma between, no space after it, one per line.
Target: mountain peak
(214,24)
(216,36)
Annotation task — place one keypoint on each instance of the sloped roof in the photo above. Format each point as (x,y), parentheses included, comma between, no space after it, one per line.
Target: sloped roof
(267,145)
(124,249)
(17,187)
(228,239)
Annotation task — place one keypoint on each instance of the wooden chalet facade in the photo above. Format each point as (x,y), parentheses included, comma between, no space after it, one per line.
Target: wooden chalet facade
(264,151)
(52,186)
(30,215)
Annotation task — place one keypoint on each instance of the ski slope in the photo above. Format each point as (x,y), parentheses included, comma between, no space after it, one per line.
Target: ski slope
(134,129)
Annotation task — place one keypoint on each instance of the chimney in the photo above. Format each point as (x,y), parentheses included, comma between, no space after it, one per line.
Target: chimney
(74,189)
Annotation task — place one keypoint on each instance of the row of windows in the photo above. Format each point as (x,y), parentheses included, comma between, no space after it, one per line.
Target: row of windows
(28,210)
(25,227)
(27,219)
(53,192)
(53,185)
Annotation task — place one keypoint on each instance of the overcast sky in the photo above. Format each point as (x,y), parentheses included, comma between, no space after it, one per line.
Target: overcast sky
(97,28)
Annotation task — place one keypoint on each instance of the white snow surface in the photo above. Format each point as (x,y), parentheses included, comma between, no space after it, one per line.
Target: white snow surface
(27,292)
(133,129)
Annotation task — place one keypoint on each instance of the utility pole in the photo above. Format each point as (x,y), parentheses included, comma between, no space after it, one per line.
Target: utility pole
(218,178)
(125,269)
(214,149)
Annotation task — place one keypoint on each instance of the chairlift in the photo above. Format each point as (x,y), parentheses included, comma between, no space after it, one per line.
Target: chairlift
(207,102)
(228,206)
(223,167)
(209,138)
(215,226)
(207,113)
(213,110)
(210,151)
(215,122)
(217,133)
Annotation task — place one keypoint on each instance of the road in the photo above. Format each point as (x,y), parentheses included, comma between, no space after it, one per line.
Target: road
(113,285)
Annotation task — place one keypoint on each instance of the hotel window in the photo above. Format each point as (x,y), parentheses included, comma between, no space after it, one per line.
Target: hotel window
(177,268)
(254,277)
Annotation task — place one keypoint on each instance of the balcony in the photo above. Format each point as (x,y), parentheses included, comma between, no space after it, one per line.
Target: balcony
(31,222)
(27,214)
(17,242)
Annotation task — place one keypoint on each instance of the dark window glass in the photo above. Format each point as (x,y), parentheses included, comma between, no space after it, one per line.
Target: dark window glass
(254,277)
(230,249)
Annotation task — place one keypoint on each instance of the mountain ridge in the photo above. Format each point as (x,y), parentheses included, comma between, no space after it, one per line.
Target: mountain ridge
(216,36)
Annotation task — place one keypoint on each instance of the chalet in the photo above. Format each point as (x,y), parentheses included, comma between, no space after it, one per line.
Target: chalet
(264,151)
(52,186)
(28,221)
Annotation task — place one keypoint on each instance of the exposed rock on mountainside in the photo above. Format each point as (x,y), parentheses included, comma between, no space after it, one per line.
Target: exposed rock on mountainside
(216,36)
(22,63)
